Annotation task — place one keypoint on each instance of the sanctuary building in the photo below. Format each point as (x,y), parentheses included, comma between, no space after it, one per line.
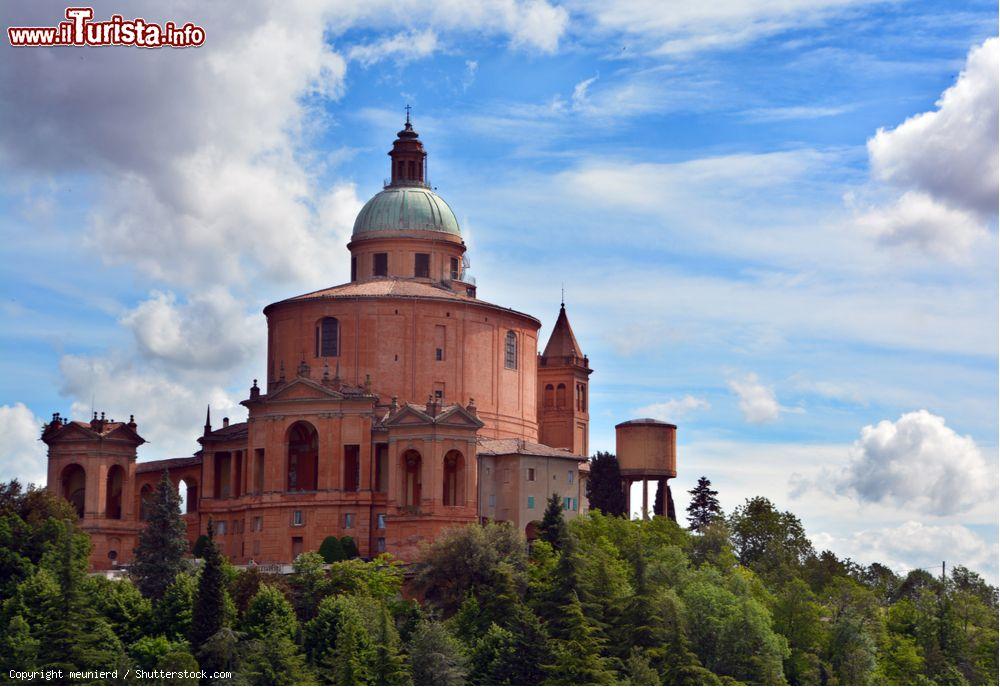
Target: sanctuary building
(394,406)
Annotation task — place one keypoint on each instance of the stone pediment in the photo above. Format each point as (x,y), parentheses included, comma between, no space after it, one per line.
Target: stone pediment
(451,416)
(302,388)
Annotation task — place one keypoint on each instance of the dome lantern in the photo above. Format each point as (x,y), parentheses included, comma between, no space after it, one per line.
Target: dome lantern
(409,159)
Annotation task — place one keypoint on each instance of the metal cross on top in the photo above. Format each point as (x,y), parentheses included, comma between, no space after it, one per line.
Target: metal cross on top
(407,108)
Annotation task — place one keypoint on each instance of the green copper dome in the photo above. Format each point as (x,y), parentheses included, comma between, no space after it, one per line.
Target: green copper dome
(406,209)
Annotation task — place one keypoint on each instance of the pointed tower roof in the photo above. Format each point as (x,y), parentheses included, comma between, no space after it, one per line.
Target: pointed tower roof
(562,343)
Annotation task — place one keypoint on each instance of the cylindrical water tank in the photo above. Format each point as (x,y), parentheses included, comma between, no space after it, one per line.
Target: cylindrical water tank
(647,447)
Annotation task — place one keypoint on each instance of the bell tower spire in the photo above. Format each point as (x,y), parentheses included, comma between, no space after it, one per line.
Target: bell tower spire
(409,159)
(564,390)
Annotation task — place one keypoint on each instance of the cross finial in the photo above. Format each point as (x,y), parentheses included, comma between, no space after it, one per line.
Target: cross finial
(562,296)
(407,108)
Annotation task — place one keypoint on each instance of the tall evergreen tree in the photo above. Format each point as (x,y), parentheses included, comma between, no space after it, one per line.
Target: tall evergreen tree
(704,506)
(604,486)
(436,657)
(576,659)
(208,615)
(388,667)
(159,557)
(553,526)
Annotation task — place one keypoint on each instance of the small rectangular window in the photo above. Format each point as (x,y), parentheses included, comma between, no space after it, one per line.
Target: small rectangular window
(422,265)
(574,504)
(258,523)
(348,520)
(510,351)
(531,503)
(380,521)
(380,265)
(220,527)
(493,500)
(297,520)
(454,268)
(354,269)
(438,354)
(531,474)
(380,544)
(569,477)
(567,502)
(256,547)
(352,467)
(506,475)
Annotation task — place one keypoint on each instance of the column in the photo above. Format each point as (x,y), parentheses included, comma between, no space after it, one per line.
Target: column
(645,499)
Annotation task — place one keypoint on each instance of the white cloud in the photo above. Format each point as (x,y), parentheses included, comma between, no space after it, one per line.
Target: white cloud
(678,28)
(673,409)
(944,164)
(917,461)
(402,47)
(950,153)
(917,220)
(23,455)
(580,92)
(212,330)
(168,407)
(757,401)
(915,544)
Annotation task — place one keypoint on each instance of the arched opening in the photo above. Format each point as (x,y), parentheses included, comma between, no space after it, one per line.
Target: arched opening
(303,457)
(561,396)
(113,495)
(328,338)
(411,478)
(74,487)
(187,489)
(145,501)
(550,396)
(454,469)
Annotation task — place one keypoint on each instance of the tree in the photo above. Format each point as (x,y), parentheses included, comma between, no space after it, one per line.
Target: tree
(493,654)
(388,667)
(332,550)
(208,616)
(704,507)
(275,659)
(467,561)
(638,670)
(762,535)
(172,613)
(436,657)
(269,614)
(577,658)
(604,486)
(553,526)
(162,543)
(349,546)
(350,661)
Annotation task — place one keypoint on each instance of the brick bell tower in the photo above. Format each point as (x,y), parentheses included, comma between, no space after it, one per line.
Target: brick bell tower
(564,391)
(409,159)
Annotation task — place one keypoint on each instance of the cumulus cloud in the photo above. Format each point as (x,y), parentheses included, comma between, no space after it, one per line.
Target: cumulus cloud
(950,153)
(918,460)
(23,454)
(211,330)
(674,408)
(943,163)
(169,408)
(914,544)
(757,400)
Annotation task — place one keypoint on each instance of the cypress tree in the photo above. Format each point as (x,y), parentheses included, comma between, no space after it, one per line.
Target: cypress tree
(388,667)
(159,557)
(208,614)
(436,657)
(704,507)
(604,486)
(332,550)
(553,527)
(577,657)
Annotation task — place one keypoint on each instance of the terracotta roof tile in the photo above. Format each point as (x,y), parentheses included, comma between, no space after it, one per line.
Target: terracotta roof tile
(160,465)
(507,447)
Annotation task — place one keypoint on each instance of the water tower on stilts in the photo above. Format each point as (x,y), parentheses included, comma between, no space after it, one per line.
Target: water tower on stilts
(647,451)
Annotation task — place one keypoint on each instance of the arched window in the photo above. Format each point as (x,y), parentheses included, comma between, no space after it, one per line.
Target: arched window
(454,468)
(188,491)
(74,487)
(561,396)
(113,494)
(411,478)
(328,338)
(510,351)
(303,457)
(550,396)
(145,499)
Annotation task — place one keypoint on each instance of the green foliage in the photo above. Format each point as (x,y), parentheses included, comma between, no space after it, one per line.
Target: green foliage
(704,508)
(332,550)
(616,602)
(552,529)
(269,613)
(159,557)
(604,486)
(209,612)
(436,657)
(349,546)
(198,548)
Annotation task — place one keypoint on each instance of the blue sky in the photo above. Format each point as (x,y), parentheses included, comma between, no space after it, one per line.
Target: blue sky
(775,222)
